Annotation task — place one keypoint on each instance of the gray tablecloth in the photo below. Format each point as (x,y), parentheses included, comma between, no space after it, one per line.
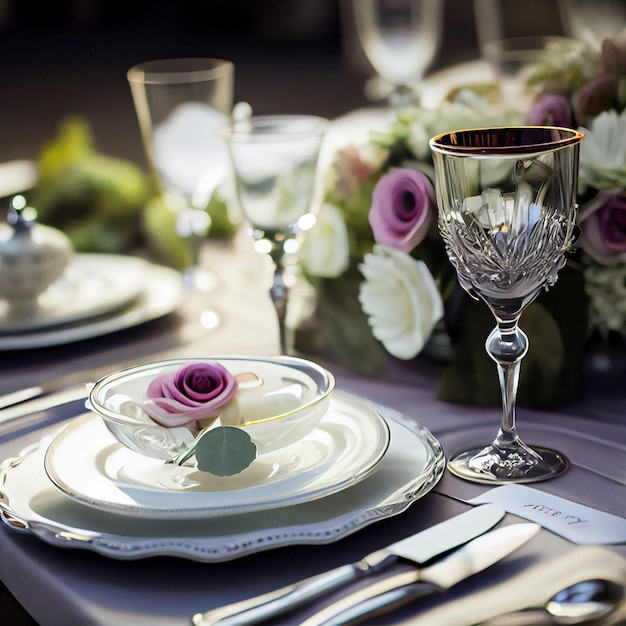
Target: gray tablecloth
(58,586)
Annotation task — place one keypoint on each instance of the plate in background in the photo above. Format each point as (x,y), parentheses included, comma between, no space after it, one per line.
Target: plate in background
(161,293)
(92,285)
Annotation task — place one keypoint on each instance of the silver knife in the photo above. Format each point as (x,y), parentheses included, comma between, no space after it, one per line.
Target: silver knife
(396,590)
(419,548)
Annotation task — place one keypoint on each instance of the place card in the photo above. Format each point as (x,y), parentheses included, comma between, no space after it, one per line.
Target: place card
(576,522)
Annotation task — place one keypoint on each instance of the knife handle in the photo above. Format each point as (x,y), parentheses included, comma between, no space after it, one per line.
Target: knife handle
(374,606)
(254,610)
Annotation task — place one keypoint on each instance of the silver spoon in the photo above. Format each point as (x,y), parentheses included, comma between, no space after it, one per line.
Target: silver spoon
(579,603)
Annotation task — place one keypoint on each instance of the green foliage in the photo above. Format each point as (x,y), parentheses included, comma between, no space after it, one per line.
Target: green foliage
(343,334)
(110,205)
(158,226)
(95,199)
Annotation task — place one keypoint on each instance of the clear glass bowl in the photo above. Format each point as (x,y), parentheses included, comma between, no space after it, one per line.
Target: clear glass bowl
(286,400)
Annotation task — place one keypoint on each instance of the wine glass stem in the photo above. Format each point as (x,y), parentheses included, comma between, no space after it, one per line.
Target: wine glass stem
(279,293)
(404,96)
(193,225)
(507,345)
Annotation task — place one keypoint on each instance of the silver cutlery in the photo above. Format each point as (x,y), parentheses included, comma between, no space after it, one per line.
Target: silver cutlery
(397,590)
(583,602)
(419,549)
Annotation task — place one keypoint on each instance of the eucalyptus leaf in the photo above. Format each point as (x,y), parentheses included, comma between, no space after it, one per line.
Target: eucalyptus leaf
(224,451)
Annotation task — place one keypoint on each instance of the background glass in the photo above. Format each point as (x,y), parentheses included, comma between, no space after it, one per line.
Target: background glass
(181,106)
(275,162)
(593,20)
(507,214)
(401,39)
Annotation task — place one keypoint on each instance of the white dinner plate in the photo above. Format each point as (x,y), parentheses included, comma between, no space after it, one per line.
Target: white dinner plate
(161,293)
(30,503)
(90,466)
(93,284)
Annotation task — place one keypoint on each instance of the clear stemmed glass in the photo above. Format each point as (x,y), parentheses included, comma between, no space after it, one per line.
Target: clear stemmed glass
(507,213)
(181,105)
(400,38)
(275,161)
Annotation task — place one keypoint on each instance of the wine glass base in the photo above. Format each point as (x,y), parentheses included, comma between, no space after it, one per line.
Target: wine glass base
(486,465)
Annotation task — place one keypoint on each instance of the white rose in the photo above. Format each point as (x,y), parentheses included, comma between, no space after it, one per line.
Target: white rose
(325,250)
(603,152)
(401,300)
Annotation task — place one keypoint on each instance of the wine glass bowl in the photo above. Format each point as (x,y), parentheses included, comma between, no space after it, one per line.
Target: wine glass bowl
(275,159)
(400,38)
(181,105)
(507,215)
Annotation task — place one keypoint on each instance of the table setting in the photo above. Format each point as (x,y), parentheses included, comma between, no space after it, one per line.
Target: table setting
(372,401)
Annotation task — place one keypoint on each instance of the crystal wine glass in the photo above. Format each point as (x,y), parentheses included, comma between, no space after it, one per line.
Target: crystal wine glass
(275,161)
(507,213)
(400,38)
(181,105)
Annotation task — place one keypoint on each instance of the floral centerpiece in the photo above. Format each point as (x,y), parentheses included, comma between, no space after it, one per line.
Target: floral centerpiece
(386,287)
(588,91)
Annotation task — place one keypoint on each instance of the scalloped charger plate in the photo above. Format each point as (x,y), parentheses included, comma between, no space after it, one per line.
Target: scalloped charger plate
(411,467)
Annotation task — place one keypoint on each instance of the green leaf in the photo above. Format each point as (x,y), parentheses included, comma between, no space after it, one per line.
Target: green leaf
(568,304)
(471,377)
(343,333)
(224,451)
(542,365)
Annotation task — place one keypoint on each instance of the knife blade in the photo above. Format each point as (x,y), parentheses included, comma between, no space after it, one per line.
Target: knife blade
(396,590)
(419,548)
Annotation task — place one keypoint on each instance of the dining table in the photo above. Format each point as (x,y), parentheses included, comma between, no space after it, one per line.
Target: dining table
(51,583)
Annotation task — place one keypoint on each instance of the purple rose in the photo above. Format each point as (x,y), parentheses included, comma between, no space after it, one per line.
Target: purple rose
(550,110)
(604,231)
(593,98)
(403,208)
(195,391)
(613,56)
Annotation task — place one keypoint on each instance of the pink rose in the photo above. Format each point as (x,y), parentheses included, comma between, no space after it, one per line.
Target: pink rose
(550,110)
(403,208)
(352,169)
(604,231)
(195,391)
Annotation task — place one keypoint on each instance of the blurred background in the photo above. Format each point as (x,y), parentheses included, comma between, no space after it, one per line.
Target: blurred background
(66,57)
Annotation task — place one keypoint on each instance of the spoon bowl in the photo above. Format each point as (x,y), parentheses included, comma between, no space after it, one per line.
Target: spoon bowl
(582,602)
(585,600)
